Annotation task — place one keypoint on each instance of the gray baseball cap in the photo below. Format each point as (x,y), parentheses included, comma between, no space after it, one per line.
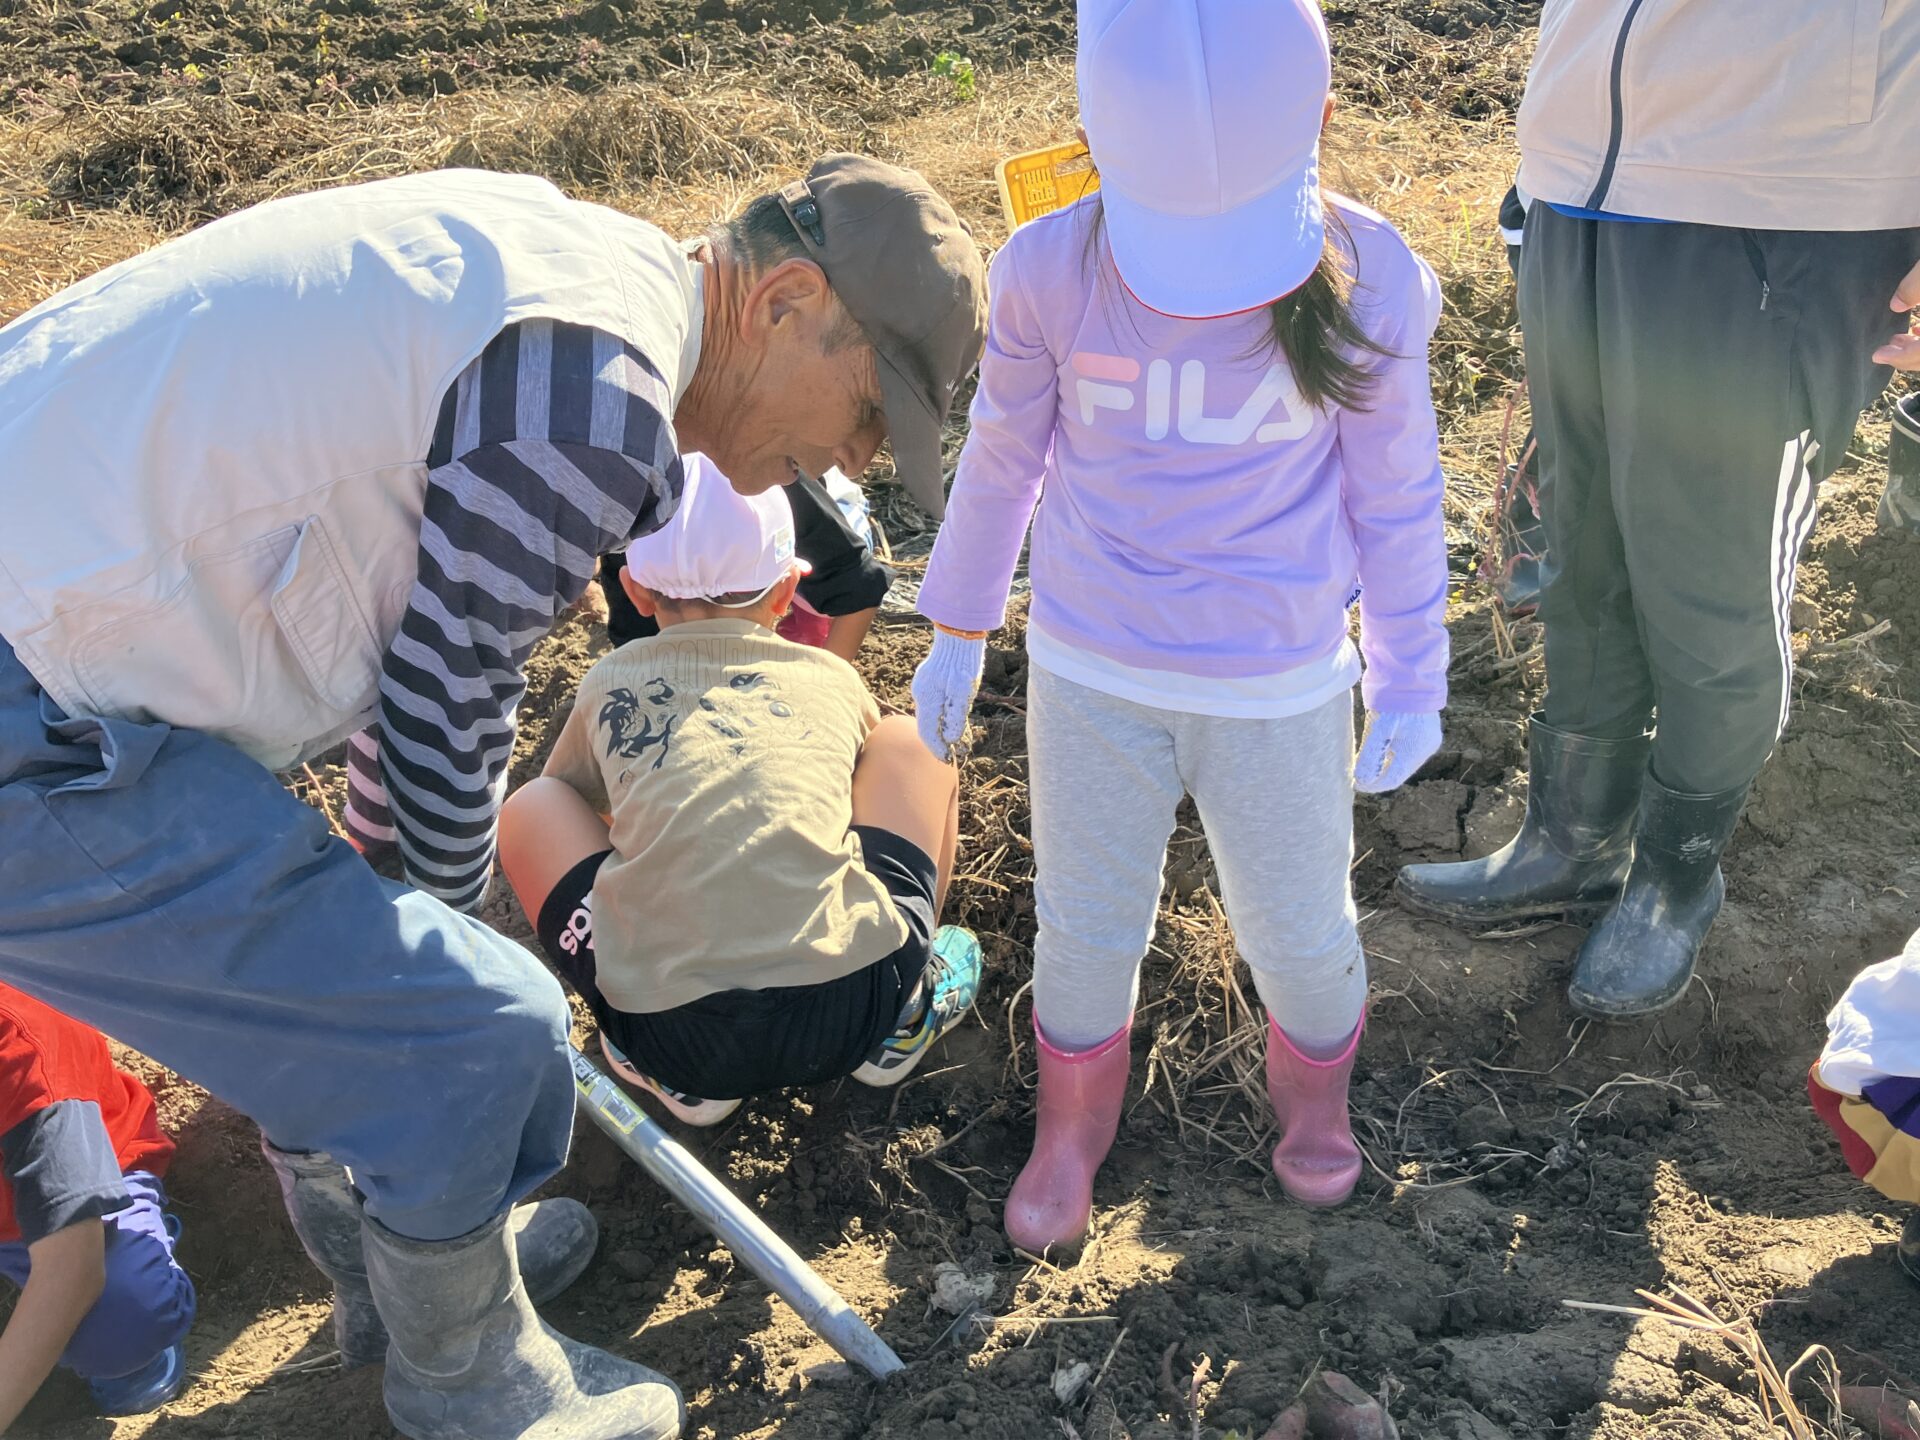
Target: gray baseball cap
(905,266)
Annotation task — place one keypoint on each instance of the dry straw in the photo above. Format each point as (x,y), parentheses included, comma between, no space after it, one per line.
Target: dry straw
(1775,1387)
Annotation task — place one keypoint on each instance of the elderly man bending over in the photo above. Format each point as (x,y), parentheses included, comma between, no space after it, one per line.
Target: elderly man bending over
(343,459)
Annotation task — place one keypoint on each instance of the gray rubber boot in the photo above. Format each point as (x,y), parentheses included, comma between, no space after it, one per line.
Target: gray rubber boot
(472,1360)
(1574,845)
(555,1240)
(1900,501)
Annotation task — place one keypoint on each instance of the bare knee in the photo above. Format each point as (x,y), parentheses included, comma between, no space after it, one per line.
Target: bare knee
(535,801)
(899,785)
(520,817)
(546,828)
(895,758)
(896,740)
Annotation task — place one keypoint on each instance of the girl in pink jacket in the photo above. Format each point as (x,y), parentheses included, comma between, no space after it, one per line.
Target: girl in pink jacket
(1211,379)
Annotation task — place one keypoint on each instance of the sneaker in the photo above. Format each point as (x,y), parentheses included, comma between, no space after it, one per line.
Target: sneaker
(689,1108)
(953,977)
(146,1389)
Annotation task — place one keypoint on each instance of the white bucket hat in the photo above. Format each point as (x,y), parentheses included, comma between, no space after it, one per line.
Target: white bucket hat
(1204,121)
(719,542)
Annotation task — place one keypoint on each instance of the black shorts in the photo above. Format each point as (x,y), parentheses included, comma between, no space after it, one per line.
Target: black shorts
(738,1043)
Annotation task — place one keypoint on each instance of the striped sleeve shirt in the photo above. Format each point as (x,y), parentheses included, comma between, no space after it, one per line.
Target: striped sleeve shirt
(553,448)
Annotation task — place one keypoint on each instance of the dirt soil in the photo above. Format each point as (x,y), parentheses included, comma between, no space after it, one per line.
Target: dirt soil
(1518,1158)
(267,53)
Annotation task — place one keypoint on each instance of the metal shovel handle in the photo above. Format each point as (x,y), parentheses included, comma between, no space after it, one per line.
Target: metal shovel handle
(745,1233)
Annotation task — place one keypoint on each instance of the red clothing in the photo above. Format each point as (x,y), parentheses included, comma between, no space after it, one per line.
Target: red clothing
(45,1058)
(806,626)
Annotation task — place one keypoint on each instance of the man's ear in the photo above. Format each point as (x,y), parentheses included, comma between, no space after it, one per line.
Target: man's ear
(790,289)
(643,599)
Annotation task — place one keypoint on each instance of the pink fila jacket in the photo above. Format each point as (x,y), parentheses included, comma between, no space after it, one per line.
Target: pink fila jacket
(1193,513)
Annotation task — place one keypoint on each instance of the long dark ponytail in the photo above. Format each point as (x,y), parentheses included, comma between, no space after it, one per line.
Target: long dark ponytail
(1315,330)
(1313,327)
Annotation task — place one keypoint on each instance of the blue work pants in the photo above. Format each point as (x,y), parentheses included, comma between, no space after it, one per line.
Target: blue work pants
(162,886)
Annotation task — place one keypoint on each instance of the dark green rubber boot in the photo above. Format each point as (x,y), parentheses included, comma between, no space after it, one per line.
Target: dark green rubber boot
(1573,849)
(1639,956)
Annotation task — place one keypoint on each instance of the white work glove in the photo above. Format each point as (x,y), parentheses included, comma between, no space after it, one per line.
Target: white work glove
(1396,745)
(943,689)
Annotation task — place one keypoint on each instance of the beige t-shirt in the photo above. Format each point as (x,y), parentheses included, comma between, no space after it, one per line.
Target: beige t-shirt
(725,756)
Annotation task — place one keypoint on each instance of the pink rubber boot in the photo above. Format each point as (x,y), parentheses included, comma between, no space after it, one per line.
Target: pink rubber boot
(1075,1120)
(1316,1159)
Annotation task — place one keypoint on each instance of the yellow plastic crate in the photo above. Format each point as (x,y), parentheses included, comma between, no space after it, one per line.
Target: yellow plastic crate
(1042,181)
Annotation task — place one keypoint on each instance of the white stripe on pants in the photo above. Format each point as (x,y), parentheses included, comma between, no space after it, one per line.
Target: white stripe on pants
(1276,799)
(1795,508)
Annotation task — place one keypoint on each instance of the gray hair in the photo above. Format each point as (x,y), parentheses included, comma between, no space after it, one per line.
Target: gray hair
(760,238)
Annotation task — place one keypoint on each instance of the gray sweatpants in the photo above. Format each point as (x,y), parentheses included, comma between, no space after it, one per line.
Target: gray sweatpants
(1276,799)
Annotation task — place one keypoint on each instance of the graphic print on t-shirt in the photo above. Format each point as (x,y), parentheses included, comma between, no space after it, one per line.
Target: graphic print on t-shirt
(734,720)
(630,730)
(638,724)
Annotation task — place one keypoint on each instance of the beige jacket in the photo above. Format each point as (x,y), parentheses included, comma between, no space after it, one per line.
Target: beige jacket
(1762,114)
(212,455)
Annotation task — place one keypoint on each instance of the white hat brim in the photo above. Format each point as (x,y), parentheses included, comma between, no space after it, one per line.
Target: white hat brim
(1202,267)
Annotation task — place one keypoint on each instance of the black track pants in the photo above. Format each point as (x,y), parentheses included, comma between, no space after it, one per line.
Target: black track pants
(1691,386)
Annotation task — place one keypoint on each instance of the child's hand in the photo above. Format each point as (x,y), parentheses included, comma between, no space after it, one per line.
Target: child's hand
(1395,746)
(943,689)
(69,1270)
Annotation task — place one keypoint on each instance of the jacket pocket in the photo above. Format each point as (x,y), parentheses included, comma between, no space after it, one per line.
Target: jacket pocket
(262,645)
(1863,75)
(322,623)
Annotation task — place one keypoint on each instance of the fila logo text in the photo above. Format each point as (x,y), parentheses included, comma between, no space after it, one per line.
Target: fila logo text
(1272,413)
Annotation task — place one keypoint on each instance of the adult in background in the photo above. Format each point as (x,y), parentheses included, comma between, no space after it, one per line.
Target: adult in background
(1726,194)
(345,458)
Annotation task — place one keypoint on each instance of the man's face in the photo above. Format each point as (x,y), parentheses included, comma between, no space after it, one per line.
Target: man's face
(811,399)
